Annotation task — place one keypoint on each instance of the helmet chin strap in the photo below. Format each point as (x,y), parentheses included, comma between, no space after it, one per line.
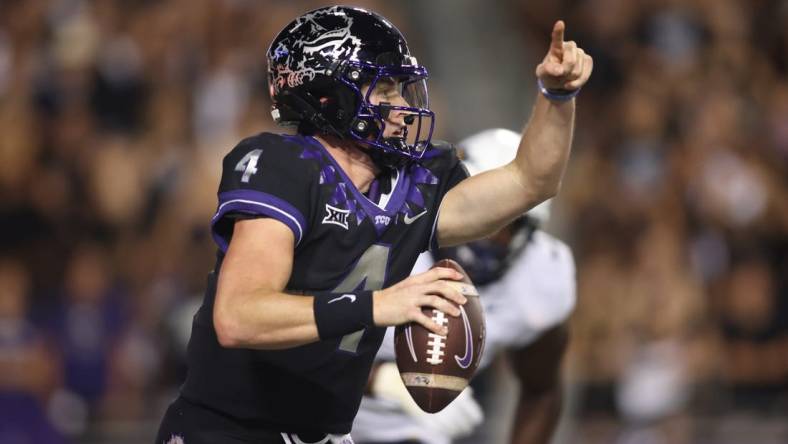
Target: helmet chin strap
(385,159)
(397,143)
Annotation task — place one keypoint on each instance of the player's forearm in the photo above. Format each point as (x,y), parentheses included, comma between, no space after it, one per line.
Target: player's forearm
(265,320)
(544,150)
(482,204)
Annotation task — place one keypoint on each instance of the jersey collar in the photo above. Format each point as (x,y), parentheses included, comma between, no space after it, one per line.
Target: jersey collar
(390,208)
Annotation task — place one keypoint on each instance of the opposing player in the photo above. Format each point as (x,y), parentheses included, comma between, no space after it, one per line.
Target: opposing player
(526,279)
(318,231)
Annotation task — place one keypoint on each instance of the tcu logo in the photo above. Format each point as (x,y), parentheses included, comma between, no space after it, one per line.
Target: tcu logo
(382,220)
(336,216)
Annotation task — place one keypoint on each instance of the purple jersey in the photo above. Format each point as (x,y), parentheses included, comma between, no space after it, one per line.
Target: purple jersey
(344,241)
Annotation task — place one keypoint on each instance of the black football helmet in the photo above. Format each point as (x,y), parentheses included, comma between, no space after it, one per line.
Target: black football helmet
(318,64)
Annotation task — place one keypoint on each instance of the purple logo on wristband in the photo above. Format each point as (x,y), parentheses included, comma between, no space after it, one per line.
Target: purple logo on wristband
(466,360)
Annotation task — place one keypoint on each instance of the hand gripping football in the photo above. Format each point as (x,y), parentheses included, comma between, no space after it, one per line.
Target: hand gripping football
(434,368)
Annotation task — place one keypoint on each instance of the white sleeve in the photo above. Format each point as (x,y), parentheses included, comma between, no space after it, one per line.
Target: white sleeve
(423,263)
(548,284)
(536,294)
(386,351)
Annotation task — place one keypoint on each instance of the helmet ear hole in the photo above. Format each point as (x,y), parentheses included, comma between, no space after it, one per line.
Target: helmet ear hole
(326,103)
(339,107)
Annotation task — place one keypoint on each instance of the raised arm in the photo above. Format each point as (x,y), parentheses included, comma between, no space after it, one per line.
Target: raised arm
(484,203)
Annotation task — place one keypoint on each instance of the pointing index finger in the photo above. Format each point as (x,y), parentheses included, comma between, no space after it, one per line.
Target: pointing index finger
(557,39)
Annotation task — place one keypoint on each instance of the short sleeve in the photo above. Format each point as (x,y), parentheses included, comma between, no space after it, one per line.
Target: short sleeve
(444,161)
(263,176)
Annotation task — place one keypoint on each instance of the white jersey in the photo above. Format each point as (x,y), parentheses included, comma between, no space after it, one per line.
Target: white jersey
(536,293)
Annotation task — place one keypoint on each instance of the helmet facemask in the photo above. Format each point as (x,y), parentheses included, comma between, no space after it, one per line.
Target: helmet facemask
(370,125)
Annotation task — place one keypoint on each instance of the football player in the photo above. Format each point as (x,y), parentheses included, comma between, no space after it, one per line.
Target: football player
(318,230)
(526,279)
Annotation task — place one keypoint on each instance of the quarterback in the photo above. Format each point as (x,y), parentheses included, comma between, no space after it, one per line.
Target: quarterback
(317,230)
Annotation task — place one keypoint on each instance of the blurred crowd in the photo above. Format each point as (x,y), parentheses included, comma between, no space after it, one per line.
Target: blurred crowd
(114,115)
(675,204)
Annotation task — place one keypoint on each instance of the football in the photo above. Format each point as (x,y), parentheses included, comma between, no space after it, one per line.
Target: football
(434,368)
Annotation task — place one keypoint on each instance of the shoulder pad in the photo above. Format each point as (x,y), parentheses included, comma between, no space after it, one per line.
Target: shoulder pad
(276,149)
(265,140)
(441,145)
(440,148)
(266,175)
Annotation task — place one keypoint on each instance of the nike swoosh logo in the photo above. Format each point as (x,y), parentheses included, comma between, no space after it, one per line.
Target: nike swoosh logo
(409,338)
(466,360)
(352,298)
(410,220)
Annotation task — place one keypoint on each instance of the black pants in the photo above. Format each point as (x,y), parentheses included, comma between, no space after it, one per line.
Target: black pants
(189,423)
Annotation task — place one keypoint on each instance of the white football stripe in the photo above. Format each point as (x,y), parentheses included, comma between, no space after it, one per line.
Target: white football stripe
(413,379)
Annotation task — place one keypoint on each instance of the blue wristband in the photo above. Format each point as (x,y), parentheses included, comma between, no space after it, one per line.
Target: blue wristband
(557,95)
(337,314)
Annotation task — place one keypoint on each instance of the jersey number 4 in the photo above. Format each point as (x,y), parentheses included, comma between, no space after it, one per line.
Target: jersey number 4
(248,164)
(371,271)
